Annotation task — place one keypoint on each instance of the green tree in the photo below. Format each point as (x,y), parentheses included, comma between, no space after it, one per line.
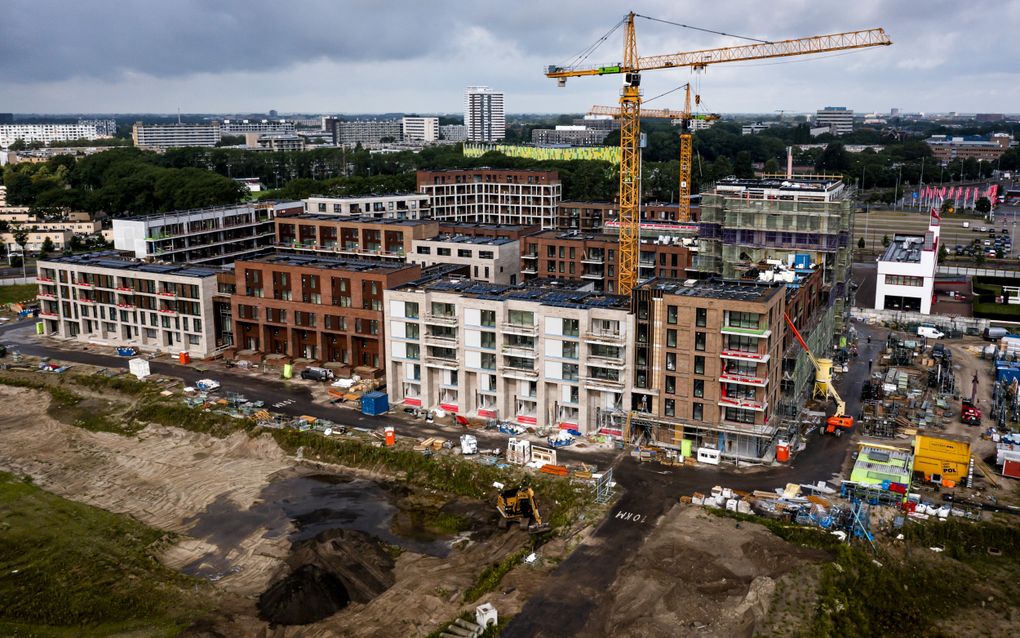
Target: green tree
(18,145)
(20,235)
(771,166)
(983,205)
(743,166)
(861,243)
(47,247)
(885,241)
(834,158)
(943,252)
(948,207)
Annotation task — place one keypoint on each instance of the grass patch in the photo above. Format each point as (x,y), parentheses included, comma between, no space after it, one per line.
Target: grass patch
(72,569)
(123,383)
(991,310)
(17,293)
(61,396)
(491,576)
(181,416)
(797,534)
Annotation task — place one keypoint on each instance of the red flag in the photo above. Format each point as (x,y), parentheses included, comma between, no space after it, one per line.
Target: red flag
(936,219)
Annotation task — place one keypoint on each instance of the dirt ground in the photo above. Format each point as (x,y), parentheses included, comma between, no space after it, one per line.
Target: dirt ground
(699,574)
(172,479)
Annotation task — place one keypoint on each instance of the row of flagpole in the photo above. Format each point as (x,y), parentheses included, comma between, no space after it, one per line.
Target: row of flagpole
(962,197)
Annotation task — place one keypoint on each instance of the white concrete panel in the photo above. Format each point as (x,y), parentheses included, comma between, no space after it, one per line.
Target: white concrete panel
(553,326)
(398,329)
(472,338)
(554,370)
(472,317)
(472,359)
(399,349)
(396,308)
(553,348)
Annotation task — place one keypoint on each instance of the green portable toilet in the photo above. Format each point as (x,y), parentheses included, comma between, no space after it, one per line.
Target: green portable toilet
(288,370)
(40,327)
(685,447)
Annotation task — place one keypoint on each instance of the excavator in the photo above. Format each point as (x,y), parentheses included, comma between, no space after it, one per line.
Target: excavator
(824,387)
(518,505)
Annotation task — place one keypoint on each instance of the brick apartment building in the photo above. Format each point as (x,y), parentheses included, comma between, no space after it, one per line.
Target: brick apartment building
(597,217)
(494,231)
(307,307)
(352,238)
(707,364)
(593,257)
(493,196)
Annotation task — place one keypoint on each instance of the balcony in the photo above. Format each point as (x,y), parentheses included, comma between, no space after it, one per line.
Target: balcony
(738,355)
(81,284)
(443,320)
(743,404)
(593,275)
(743,379)
(441,362)
(761,333)
(527,329)
(527,374)
(529,256)
(86,300)
(46,295)
(441,340)
(593,259)
(604,336)
(166,294)
(529,270)
(45,280)
(46,313)
(519,350)
(605,384)
(606,362)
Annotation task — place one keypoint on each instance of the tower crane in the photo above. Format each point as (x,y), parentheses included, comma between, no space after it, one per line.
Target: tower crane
(630,107)
(685,117)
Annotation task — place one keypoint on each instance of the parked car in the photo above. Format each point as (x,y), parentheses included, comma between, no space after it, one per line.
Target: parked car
(984,229)
(959,250)
(317,374)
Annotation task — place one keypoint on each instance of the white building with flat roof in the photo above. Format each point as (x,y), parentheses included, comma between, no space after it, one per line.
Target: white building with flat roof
(484,118)
(403,206)
(496,260)
(175,135)
(839,118)
(46,133)
(102,298)
(556,355)
(420,129)
(906,272)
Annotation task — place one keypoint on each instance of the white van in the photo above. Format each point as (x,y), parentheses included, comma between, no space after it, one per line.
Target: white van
(966,224)
(930,332)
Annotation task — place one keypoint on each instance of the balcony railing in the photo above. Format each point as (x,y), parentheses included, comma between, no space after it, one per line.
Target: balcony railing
(761,333)
(599,383)
(441,339)
(744,356)
(603,336)
(446,320)
(744,404)
(593,259)
(743,379)
(606,361)
(441,362)
(520,328)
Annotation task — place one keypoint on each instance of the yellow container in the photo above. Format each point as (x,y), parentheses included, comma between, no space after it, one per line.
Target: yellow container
(940,448)
(288,370)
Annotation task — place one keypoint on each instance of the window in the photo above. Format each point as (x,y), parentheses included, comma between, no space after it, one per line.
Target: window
(699,341)
(671,361)
(411,310)
(904,280)
(424,250)
(739,416)
(699,365)
(740,343)
(488,361)
(464,252)
(746,320)
(671,315)
(443,252)
(671,338)
(489,318)
(571,327)
(485,254)
(570,372)
(570,349)
(699,388)
(488,340)
(698,411)
(700,317)
(670,407)
(412,331)
(413,351)
(670,385)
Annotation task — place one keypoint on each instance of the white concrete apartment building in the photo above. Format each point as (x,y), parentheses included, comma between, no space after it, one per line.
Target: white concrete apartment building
(839,119)
(239,127)
(105,299)
(175,135)
(539,356)
(496,260)
(493,196)
(217,235)
(401,206)
(46,133)
(36,239)
(906,272)
(420,129)
(484,118)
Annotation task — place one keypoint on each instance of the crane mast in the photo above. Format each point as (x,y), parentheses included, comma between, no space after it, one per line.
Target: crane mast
(630,165)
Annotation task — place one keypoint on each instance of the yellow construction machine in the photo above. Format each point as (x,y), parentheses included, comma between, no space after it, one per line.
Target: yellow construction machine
(518,505)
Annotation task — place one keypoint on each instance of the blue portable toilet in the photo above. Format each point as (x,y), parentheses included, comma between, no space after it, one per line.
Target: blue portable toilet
(374,403)
(801,261)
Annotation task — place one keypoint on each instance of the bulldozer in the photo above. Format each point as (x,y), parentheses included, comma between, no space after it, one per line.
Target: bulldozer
(518,505)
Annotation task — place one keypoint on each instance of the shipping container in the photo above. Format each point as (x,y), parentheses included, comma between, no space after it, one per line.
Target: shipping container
(374,403)
(942,448)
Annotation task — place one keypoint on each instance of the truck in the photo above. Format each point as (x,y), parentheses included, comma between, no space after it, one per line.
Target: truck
(930,332)
(970,413)
(994,334)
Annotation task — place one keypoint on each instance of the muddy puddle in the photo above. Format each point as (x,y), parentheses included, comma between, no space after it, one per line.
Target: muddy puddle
(305,506)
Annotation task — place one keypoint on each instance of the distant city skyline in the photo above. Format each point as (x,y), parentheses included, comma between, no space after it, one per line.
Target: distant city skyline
(147,57)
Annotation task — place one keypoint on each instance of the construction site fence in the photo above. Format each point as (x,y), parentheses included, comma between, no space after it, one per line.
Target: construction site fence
(909,321)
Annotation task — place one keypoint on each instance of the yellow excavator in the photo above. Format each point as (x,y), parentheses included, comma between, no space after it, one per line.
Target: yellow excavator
(518,505)
(824,386)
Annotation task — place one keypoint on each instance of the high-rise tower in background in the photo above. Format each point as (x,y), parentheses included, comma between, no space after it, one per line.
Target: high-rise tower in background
(483,114)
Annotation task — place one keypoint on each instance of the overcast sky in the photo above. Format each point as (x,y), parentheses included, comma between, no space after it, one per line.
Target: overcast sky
(361,56)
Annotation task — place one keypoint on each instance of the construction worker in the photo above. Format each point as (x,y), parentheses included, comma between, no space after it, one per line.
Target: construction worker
(869,339)
(870,361)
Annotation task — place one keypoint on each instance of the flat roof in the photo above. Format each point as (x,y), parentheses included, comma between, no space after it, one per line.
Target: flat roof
(364,197)
(495,227)
(547,292)
(311,261)
(469,239)
(361,219)
(728,289)
(796,183)
(905,249)
(116,261)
